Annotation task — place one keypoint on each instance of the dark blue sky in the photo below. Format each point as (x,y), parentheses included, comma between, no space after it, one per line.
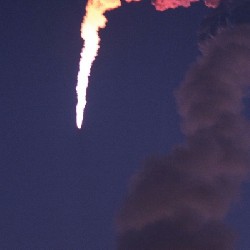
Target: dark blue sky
(61,187)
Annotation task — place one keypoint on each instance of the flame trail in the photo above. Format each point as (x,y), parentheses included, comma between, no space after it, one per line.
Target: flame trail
(92,22)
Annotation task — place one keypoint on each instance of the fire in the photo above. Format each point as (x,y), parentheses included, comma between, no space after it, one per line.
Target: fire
(95,20)
(92,22)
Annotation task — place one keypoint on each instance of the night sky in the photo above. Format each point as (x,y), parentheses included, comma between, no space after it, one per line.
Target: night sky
(61,187)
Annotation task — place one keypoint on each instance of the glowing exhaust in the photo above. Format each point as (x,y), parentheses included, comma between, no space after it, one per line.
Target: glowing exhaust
(92,22)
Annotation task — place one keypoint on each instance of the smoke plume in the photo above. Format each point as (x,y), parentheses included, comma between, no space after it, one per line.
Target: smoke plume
(162,5)
(172,4)
(179,202)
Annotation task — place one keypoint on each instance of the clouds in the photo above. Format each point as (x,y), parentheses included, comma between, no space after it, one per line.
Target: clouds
(180,201)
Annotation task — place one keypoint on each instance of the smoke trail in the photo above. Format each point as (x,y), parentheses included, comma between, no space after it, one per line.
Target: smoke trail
(92,22)
(179,202)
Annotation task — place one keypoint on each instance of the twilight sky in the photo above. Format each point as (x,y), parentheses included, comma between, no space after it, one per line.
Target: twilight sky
(62,187)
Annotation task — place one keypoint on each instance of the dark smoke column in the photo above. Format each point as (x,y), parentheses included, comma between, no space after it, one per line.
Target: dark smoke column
(179,202)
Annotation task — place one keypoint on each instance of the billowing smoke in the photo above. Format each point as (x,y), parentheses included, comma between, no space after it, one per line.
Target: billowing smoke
(230,13)
(179,202)
(162,5)
(172,4)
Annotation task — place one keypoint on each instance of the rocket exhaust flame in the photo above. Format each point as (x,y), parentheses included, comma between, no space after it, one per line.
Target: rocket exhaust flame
(92,22)
(95,20)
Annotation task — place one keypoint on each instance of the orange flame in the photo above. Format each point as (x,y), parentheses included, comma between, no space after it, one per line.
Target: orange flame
(92,22)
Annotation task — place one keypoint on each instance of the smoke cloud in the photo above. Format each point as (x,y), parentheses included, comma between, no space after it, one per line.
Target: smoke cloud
(179,202)
(162,5)
(229,13)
